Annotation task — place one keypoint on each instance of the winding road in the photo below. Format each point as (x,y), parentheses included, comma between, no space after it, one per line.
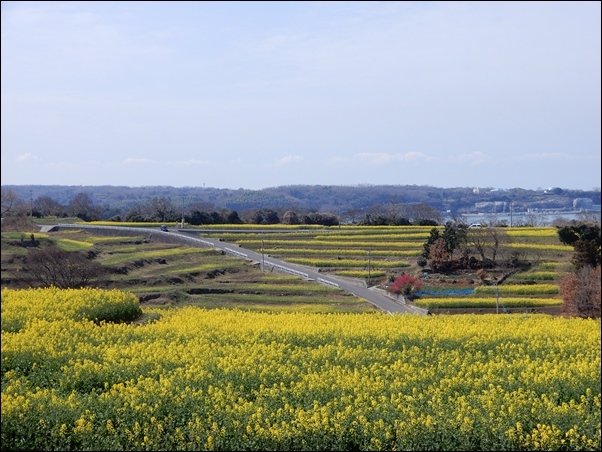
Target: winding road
(190,237)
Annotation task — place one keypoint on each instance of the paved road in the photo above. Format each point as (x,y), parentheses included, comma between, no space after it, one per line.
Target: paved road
(270,264)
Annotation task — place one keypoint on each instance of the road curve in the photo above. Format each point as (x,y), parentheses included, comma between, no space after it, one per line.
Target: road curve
(189,237)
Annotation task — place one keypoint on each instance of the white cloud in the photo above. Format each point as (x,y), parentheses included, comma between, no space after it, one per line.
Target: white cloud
(289,159)
(25,157)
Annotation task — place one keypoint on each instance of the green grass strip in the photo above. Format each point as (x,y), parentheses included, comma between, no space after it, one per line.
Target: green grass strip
(540,247)
(170,252)
(107,239)
(415,236)
(329,243)
(361,273)
(348,263)
(331,308)
(217,265)
(543,276)
(485,302)
(316,287)
(73,245)
(519,289)
(341,252)
(286,299)
(549,265)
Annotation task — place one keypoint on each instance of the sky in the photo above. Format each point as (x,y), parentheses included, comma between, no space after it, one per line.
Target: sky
(264,94)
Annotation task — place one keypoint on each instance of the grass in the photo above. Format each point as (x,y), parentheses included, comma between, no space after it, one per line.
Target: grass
(129,254)
(174,272)
(539,276)
(466,302)
(519,289)
(166,275)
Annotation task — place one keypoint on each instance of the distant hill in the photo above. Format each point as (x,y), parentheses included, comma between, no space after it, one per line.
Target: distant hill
(321,198)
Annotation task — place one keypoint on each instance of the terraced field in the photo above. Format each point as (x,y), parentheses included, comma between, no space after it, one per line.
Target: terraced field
(344,377)
(169,275)
(164,275)
(377,254)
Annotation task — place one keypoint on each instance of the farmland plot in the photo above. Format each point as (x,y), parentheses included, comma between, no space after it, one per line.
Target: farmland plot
(196,379)
(380,253)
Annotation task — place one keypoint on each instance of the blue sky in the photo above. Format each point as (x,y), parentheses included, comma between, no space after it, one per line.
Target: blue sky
(262,94)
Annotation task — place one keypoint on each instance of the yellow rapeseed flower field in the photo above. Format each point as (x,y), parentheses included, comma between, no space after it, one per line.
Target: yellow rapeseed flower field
(196,379)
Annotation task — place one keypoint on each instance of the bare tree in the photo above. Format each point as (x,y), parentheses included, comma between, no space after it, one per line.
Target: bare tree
(202,206)
(352,215)
(487,242)
(377,210)
(290,217)
(46,206)
(164,209)
(421,212)
(82,207)
(53,266)
(456,217)
(535,219)
(498,241)
(10,201)
(589,216)
(492,220)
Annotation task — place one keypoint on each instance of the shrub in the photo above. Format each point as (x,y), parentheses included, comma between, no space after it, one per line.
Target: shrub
(19,307)
(581,292)
(405,285)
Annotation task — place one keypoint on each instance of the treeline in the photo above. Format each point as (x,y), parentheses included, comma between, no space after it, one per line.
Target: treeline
(118,200)
(166,210)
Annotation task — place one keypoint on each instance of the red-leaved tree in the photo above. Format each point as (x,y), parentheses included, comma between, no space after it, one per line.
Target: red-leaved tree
(405,285)
(581,292)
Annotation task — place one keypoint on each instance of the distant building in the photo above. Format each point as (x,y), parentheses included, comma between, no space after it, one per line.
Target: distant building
(475,190)
(583,204)
(553,191)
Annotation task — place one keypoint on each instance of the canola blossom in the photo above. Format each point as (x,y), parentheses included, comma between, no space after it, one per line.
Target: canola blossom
(467,302)
(518,289)
(198,379)
(20,307)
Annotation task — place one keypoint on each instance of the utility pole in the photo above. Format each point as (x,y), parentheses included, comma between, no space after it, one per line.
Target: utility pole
(369,265)
(497,299)
(183,197)
(30,203)
(262,255)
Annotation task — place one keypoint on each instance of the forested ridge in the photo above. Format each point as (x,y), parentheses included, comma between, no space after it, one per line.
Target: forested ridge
(320,198)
